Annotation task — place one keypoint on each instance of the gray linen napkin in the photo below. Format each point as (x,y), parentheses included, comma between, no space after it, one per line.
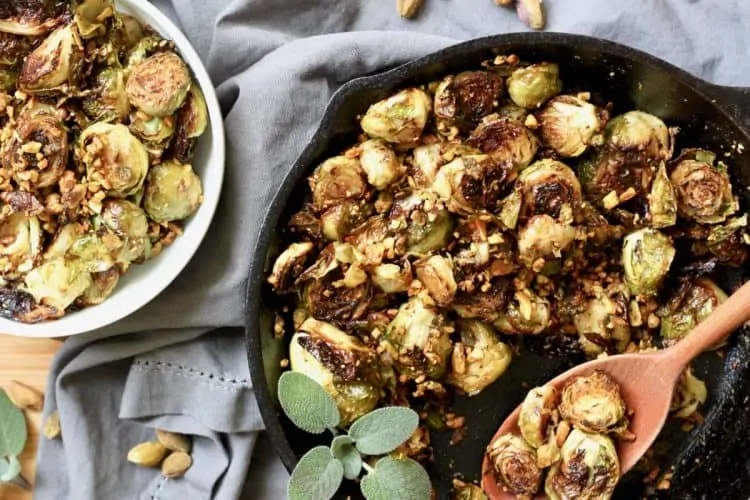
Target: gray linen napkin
(276,64)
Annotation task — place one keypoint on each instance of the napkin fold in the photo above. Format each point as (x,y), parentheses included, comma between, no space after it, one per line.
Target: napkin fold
(180,363)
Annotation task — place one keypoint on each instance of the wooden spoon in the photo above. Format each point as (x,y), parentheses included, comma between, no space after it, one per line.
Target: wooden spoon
(647,383)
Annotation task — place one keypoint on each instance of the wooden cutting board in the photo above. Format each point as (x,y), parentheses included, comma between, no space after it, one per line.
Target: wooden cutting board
(26,360)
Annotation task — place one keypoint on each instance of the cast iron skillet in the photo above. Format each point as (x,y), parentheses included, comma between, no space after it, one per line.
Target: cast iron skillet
(713,461)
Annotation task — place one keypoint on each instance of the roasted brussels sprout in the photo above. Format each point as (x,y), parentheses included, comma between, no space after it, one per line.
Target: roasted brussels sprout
(13,49)
(704,192)
(462,100)
(528,314)
(380,163)
(728,242)
(342,297)
(589,468)
(692,303)
(470,183)
(345,367)
(102,285)
(113,157)
(91,16)
(128,221)
(507,141)
(429,226)
(153,132)
(532,86)
(542,239)
(340,219)
(515,465)
(486,303)
(647,256)
(21,244)
(55,65)
(641,132)
(143,48)
(466,491)
(593,404)
(337,179)
(662,201)
(428,158)
(602,323)
(547,186)
(479,359)
(57,283)
(392,278)
(31,18)
(569,125)
(93,253)
(109,102)
(400,118)
(173,192)
(159,84)
(436,275)
(690,393)
(536,411)
(418,339)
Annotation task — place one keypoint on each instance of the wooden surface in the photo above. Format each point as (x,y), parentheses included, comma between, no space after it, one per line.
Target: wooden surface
(26,360)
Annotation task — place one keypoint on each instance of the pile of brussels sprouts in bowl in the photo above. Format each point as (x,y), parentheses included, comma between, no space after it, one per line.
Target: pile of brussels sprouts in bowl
(486,207)
(99,117)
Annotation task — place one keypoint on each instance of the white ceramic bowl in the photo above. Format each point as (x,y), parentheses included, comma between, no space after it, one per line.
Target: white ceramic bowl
(141,283)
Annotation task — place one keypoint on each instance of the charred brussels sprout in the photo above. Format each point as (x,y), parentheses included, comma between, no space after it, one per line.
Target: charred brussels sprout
(466,491)
(345,367)
(54,65)
(102,285)
(532,86)
(436,275)
(143,48)
(569,125)
(391,278)
(342,297)
(479,358)
(547,186)
(704,192)
(31,18)
(470,183)
(528,314)
(380,163)
(13,49)
(515,465)
(589,468)
(486,303)
(429,226)
(427,159)
(418,339)
(337,179)
(593,404)
(536,411)
(462,100)
(728,242)
(173,192)
(289,265)
(114,158)
(662,201)
(543,239)
(647,256)
(693,303)
(339,220)
(21,238)
(602,323)
(109,101)
(159,84)
(507,141)
(638,131)
(128,221)
(127,31)
(400,118)
(57,283)
(192,120)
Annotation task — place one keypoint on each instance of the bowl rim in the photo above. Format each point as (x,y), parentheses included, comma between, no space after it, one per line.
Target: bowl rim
(164,272)
(324,133)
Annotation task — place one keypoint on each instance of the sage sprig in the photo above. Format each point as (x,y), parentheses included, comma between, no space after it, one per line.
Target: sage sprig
(13,435)
(320,472)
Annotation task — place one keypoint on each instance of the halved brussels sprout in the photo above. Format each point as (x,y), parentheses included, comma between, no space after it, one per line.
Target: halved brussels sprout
(515,465)
(641,132)
(14,49)
(31,18)
(391,278)
(436,275)
(419,339)
(109,102)
(192,120)
(339,298)
(693,303)
(173,192)
(345,367)
(54,65)
(486,303)
(91,16)
(593,404)
(159,84)
(536,410)
(547,186)
(428,158)
(727,242)
(20,244)
(128,221)
(479,359)
(380,163)
(399,118)
(527,314)
(126,30)
(152,130)
(429,226)
(63,240)
(647,256)
(506,141)
(337,179)
(662,201)
(471,183)
(589,468)
(102,285)
(462,100)
(532,86)
(113,157)
(57,283)
(569,125)
(340,219)
(602,324)
(93,253)
(543,238)
(690,393)
(704,191)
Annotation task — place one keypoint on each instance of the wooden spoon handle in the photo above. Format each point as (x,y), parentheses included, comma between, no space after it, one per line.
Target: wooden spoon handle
(724,320)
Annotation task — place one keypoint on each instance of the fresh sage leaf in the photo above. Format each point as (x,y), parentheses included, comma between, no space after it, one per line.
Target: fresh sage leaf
(381,431)
(343,448)
(10,469)
(317,476)
(340,444)
(13,432)
(306,403)
(400,478)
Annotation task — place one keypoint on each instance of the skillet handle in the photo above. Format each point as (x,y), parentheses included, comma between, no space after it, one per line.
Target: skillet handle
(736,100)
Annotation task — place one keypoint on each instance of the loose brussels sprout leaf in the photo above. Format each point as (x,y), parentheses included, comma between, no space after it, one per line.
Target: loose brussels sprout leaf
(101,287)
(528,314)
(479,359)
(55,64)
(662,202)
(420,339)
(693,303)
(602,324)
(56,283)
(109,102)
(704,191)
(345,367)
(535,414)
(436,275)
(173,192)
(399,118)
(113,157)
(690,393)
(462,100)
(391,278)
(159,84)
(532,86)
(640,132)
(647,255)
(589,468)
(21,238)
(507,141)
(339,220)
(337,179)
(470,183)
(547,186)
(380,163)
(91,16)
(515,465)
(593,404)
(543,239)
(569,125)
